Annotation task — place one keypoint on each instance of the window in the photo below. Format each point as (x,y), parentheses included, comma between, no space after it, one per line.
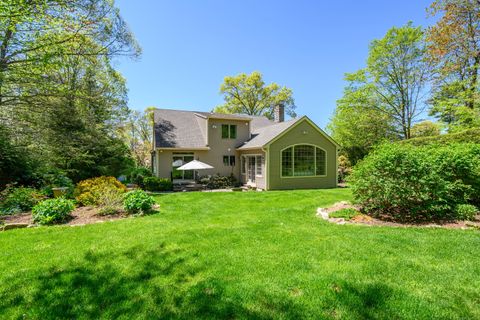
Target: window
(243,164)
(179,160)
(229,161)
(303,161)
(259,161)
(229,131)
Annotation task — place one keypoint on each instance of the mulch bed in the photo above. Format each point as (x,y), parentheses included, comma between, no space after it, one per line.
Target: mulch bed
(364,219)
(80,216)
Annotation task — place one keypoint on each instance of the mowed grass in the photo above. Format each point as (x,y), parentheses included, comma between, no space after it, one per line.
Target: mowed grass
(258,255)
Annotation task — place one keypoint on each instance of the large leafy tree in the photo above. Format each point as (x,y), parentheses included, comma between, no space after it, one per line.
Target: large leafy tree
(60,97)
(248,94)
(356,124)
(385,99)
(454,48)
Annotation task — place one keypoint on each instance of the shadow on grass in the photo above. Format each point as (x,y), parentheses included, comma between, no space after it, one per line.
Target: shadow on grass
(160,283)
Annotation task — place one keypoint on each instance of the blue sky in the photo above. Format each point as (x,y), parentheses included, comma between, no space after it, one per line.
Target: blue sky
(190,46)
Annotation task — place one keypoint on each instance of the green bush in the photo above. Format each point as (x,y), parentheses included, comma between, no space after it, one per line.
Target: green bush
(89,192)
(417,183)
(52,211)
(466,211)
(138,201)
(18,199)
(219,182)
(157,184)
(138,175)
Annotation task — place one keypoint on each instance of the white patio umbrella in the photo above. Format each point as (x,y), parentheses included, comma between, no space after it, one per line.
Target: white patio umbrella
(195,165)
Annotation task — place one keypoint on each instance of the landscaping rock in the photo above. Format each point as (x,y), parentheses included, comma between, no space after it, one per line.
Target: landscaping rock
(11,226)
(321,212)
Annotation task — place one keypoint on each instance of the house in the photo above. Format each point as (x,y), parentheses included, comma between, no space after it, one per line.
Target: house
(267,154)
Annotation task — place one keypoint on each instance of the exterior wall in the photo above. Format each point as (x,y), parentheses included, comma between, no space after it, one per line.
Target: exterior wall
(260,181)
(303,132)
(218,148)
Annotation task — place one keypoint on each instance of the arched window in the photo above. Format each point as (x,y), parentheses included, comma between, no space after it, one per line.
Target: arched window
(303,160)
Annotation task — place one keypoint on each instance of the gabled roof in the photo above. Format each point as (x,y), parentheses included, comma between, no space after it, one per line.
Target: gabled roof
(188,129)
(264,135)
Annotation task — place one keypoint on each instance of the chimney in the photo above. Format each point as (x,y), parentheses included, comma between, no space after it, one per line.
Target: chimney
(279,113)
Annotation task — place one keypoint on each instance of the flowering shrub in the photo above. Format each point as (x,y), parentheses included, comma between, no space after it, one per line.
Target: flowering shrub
(89,192)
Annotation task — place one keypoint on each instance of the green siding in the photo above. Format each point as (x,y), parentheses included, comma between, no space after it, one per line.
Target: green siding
(303,132)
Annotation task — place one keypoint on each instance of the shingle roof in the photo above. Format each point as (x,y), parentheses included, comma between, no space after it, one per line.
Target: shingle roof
(264,135)
(178,129)
(187,129)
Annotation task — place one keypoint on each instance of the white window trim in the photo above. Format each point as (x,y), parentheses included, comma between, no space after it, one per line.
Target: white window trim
(293,162)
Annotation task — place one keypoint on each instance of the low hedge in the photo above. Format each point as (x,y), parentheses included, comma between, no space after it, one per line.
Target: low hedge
(157,184)
(418,183)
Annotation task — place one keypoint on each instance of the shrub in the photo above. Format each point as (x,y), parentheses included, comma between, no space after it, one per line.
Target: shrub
(138,175)
(347,213)
(219,182)
(138,201)
(89,192)
(52,211)
(466,211)
(18,199)
(417,183)
(157,184)
(110,201)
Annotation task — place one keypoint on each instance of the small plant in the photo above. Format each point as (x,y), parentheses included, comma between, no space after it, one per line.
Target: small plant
(347,213)
(89,192)
(18,199)
(138,201)
(466,211)
(52,211)
(157,184)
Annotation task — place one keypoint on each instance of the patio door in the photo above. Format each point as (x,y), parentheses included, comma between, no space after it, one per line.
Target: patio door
(179,160)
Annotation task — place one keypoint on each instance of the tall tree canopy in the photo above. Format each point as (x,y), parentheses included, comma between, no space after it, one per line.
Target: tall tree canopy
(385,99)
(60,97)
(454,48)
(249,94)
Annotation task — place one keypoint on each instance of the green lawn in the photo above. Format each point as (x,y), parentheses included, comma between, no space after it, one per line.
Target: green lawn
(257,255)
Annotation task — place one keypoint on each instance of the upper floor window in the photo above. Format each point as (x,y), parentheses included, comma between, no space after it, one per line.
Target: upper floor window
(229,131)
(303,161)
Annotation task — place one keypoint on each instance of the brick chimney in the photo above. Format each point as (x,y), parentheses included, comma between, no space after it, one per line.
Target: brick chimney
(279,113)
